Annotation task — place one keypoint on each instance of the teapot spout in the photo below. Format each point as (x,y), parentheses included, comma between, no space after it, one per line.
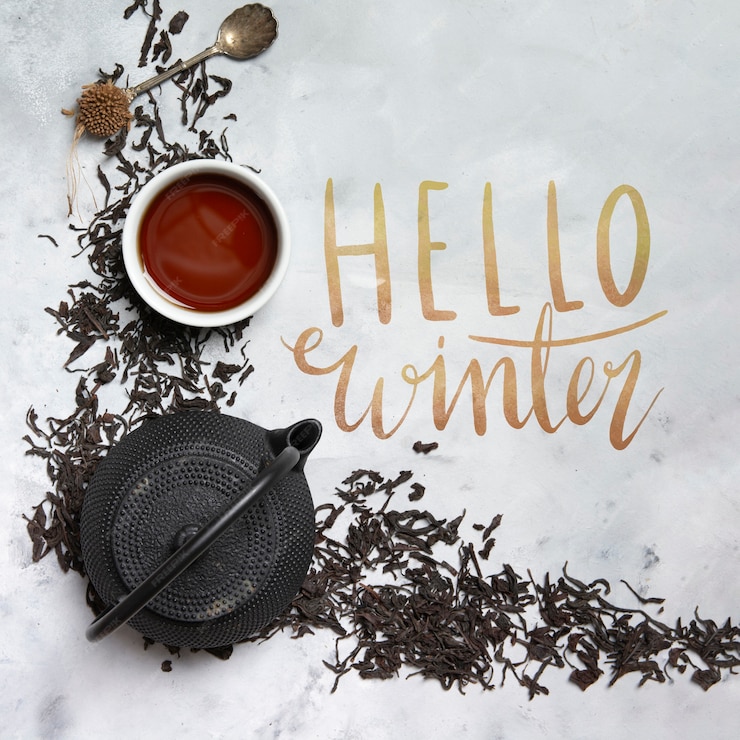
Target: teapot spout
(303,435)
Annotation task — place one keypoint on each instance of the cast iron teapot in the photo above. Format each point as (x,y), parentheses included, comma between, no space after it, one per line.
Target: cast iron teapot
(197,529)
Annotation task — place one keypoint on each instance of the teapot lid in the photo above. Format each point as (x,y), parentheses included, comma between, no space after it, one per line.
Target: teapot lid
(182,489)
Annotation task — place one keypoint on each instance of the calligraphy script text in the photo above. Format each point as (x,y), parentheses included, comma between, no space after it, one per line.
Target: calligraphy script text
(586,389)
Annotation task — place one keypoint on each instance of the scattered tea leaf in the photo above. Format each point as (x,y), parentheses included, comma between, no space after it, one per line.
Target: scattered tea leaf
(177,22)
(50,238)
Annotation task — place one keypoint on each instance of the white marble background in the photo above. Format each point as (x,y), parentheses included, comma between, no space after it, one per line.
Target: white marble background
(516,94)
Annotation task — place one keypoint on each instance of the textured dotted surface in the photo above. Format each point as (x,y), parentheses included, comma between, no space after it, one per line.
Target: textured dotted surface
(182,470)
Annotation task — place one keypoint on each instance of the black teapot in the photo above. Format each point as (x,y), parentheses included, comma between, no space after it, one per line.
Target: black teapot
(197,529)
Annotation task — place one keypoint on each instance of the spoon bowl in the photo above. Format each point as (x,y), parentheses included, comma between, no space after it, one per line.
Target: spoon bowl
(247,32)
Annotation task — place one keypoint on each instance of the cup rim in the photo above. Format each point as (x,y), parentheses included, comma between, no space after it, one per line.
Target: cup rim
(134,266)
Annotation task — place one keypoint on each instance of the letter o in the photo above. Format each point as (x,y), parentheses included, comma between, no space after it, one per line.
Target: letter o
(642,247)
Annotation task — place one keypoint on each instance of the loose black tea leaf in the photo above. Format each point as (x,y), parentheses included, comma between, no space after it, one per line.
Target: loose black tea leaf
(425,447)
(455,624)
(113,76)
(155,17)
(487,547)
(495,522)
(162,48)
(50,238)
(706,678)
(224,371)
(641,599)
(417,491)
(177,22)
(136,5)
(222,653)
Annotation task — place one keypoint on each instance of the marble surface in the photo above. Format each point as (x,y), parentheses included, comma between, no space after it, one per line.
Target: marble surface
(519,95)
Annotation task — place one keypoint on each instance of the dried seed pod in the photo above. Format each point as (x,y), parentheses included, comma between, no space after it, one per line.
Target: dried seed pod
(103,109)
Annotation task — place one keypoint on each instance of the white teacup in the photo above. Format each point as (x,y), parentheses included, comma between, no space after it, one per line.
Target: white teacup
(206,243)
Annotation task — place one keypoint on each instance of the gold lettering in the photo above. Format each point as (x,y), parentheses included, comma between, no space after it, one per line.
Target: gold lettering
(378,248)
(543,339)
(307,342)
(580,384)
(574,398)
(642,247)
(426,246)
(539,370)
(441,412)
(489,260)
(587,388)
(553,255)
(616,429)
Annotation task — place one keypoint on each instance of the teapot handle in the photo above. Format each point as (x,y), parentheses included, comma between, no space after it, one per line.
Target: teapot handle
(130,605)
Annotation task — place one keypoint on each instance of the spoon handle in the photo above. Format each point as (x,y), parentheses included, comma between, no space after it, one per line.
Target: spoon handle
(132,92)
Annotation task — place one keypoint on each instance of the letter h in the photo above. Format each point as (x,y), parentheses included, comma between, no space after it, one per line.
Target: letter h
(378,248)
